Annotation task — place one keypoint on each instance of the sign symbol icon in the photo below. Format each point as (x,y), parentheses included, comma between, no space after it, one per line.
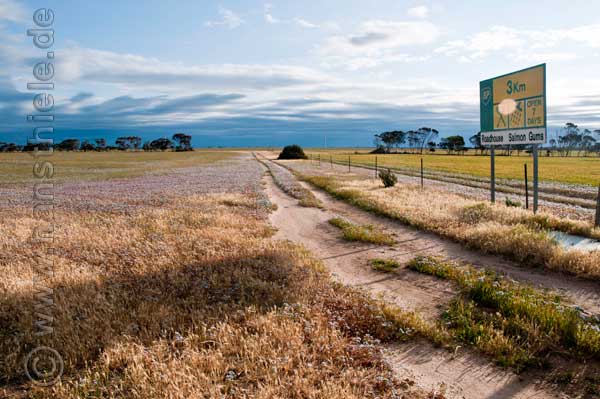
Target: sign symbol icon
(501,121)
(486,96)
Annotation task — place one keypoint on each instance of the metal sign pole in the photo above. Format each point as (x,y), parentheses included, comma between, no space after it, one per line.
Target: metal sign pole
(597,224)
(535,178)
(493,174)
(526,189)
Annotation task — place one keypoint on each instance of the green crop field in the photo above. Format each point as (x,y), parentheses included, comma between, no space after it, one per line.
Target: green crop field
(70,166)
(576,170)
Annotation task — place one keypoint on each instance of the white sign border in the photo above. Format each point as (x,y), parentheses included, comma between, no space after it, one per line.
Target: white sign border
(505,136)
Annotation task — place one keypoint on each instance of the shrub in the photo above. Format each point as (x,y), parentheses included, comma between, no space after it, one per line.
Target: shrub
(511,203)
(388,178)
(385,265)
(473,214)
(292,152)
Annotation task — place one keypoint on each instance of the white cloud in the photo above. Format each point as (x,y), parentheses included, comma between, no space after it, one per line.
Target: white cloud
(304,23)
(268,16)
(418,12)
(228,19)
(11,10)
(378,42)
(520,43)
(129,71)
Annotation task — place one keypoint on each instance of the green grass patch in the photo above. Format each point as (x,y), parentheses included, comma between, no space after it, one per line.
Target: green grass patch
(363,233)
(515,323)
(385,265)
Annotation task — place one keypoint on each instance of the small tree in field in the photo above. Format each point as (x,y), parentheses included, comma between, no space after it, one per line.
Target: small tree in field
(388,178)
(293,151)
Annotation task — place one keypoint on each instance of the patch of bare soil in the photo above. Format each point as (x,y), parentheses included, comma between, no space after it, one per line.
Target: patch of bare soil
(463,376)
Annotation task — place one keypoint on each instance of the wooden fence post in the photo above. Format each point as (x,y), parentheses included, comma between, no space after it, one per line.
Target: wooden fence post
(422,185)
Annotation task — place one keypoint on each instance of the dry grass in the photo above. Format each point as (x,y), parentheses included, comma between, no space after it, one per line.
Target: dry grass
(190,299)
(495,229)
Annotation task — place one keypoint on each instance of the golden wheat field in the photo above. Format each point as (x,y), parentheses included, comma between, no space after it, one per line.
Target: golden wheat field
(554,168)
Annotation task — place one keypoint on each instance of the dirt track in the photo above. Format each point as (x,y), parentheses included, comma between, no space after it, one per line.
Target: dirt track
(466,375)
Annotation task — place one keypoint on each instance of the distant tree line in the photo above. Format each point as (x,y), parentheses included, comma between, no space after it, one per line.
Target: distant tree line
(178,142)
(570,140)
(416,139)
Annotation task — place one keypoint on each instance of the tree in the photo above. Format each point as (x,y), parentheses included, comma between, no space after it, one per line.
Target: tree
(475,141)
(431,146)
(135,141)
(127,142)
(8,147)
(161,144)
(587,141)
(183,142)
(424,135)
(122,143)
(453,143)
(68,145)
(36,147)
(571,138)
(390,139)
(413,138)
(293,151)
(87,146)
(100,144)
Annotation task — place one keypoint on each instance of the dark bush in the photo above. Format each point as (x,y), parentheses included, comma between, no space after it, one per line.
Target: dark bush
(388,178)
(292,152)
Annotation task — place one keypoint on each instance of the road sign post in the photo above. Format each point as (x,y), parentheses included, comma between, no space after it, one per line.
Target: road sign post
(526,188)
(535,178)
(493,175)
(597,224)
(513,112)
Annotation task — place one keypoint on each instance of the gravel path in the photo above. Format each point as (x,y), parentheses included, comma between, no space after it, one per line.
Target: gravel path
(467,375)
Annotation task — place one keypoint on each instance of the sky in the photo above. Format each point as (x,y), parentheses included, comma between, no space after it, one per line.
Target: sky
(256,73)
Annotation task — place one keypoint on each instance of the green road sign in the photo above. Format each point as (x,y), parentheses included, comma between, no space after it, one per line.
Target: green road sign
(513,108)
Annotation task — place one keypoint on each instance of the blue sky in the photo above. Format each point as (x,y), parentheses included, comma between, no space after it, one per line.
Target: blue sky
(271,73)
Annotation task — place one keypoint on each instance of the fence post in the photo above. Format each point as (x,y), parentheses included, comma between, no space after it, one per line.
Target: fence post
(331,160)
(348,163)
(422,185)
(597,224)
(375,166)
(526,188)
(319,160)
